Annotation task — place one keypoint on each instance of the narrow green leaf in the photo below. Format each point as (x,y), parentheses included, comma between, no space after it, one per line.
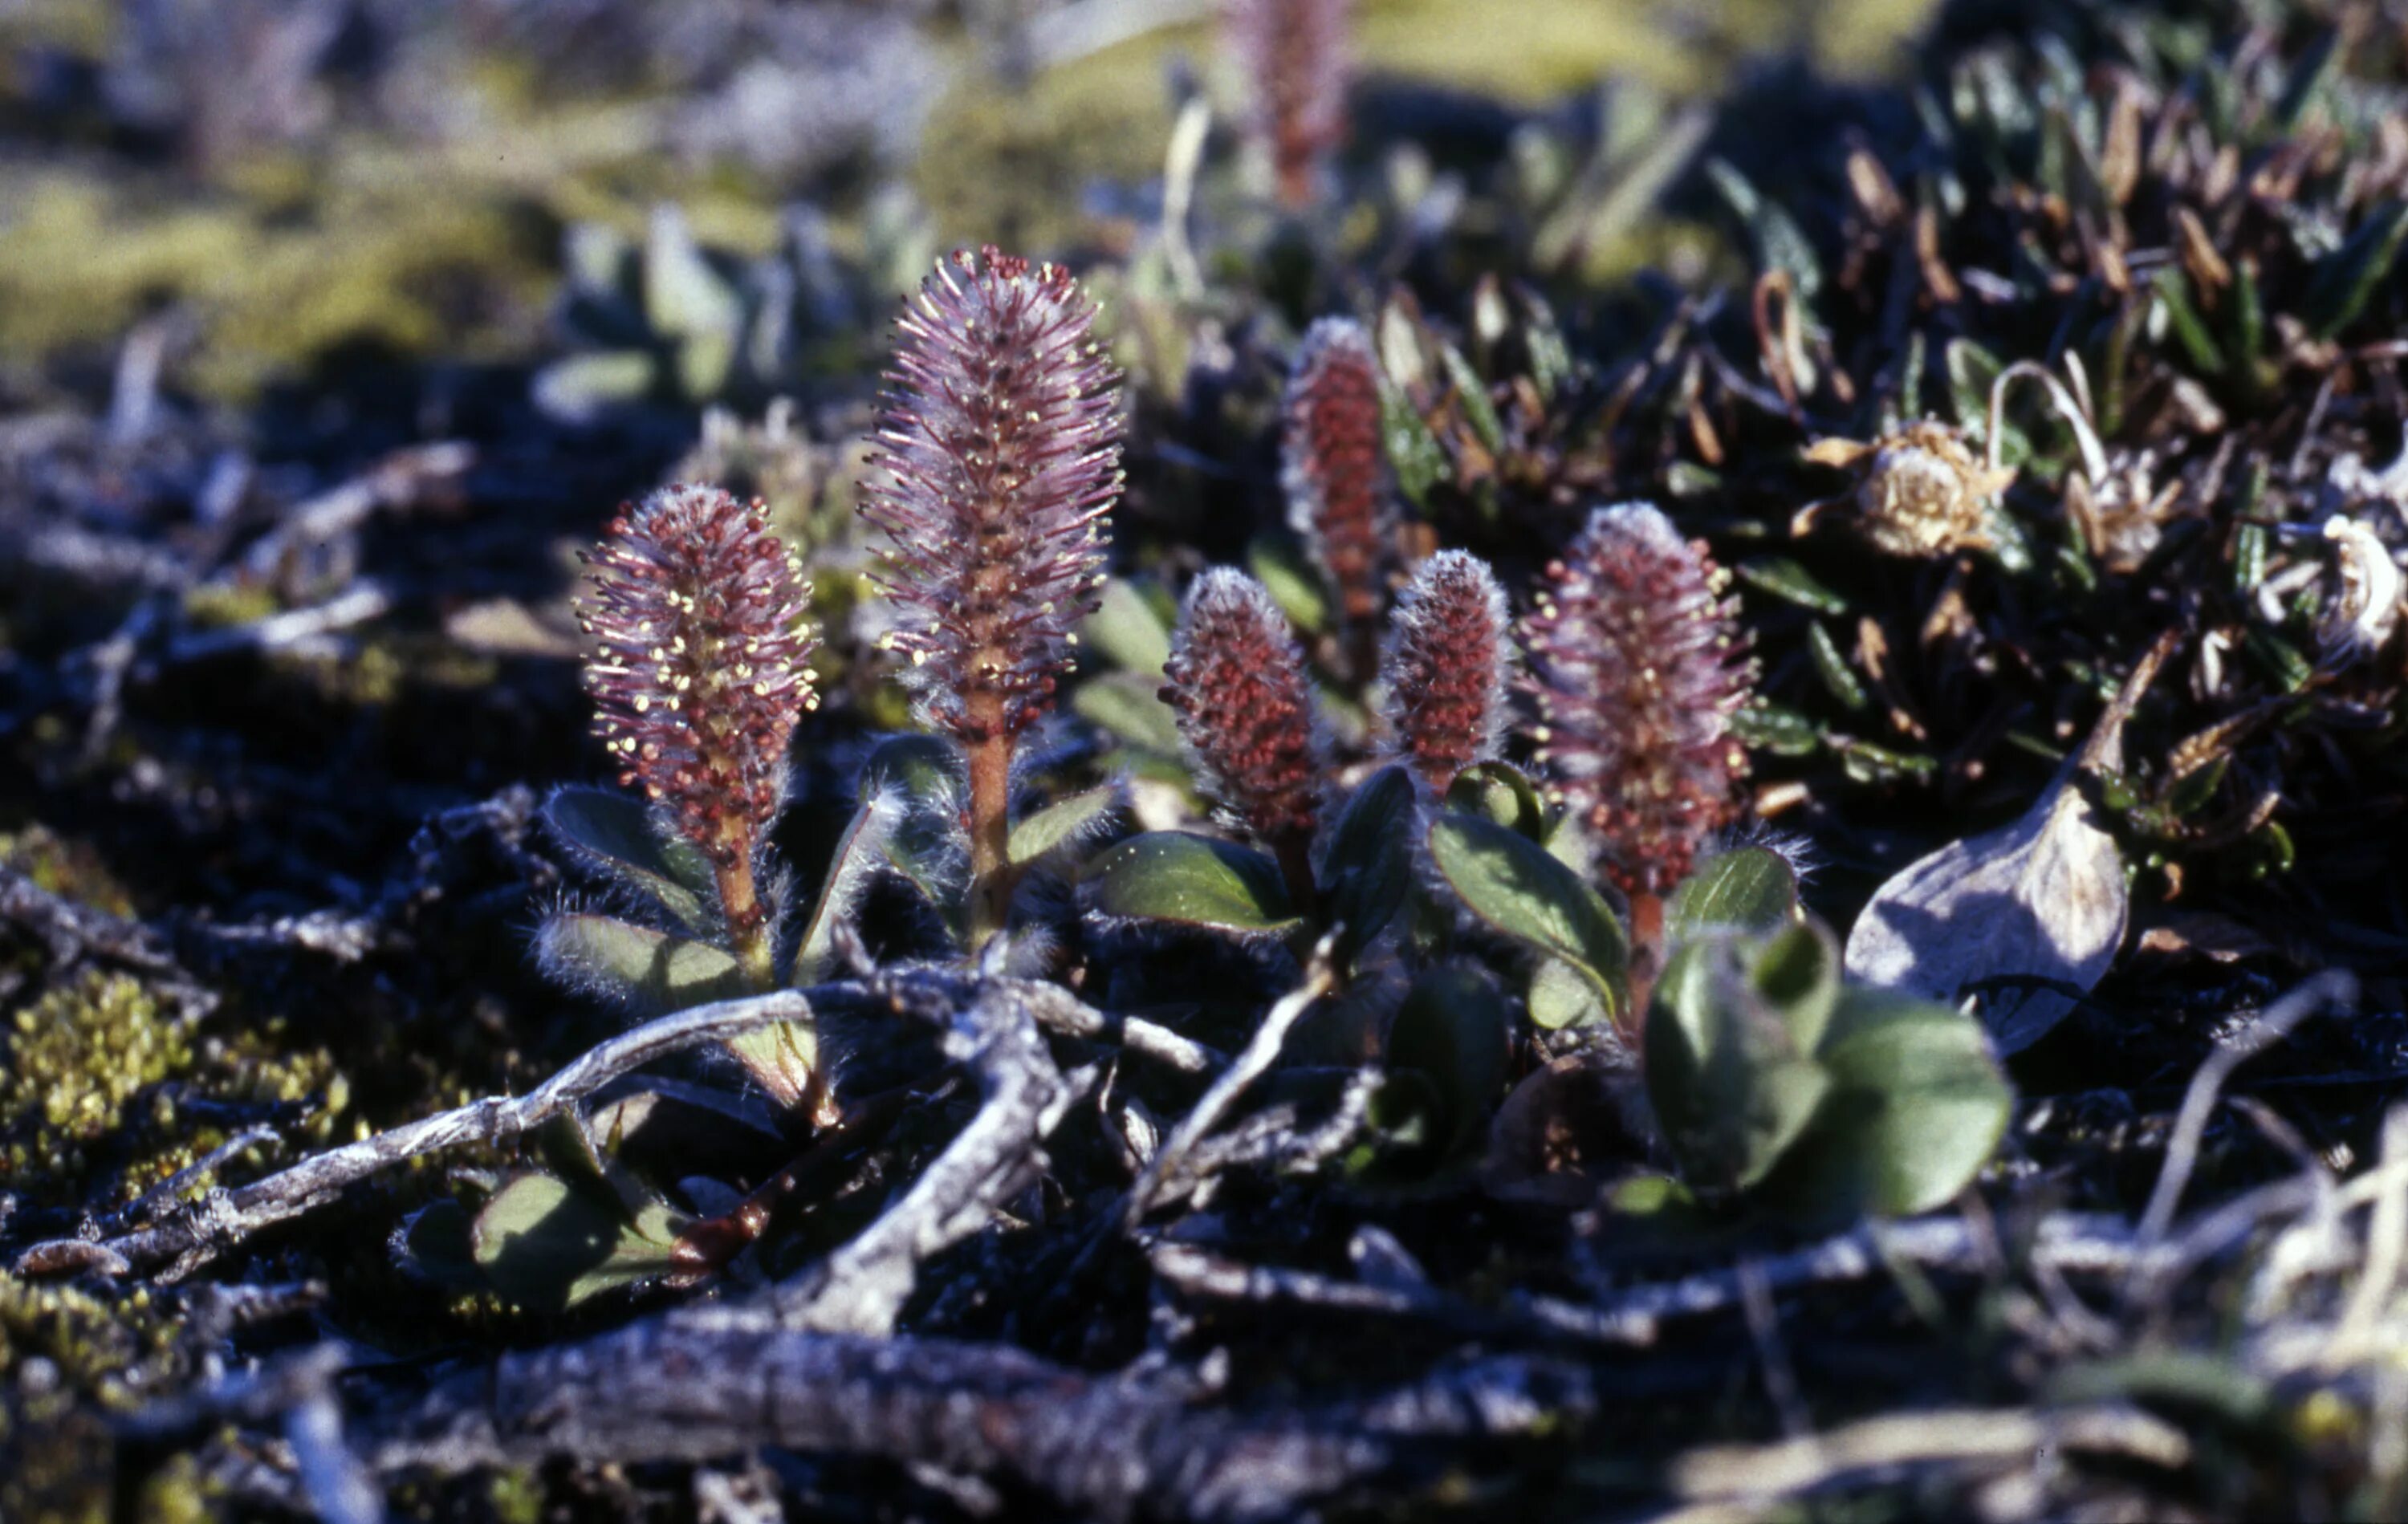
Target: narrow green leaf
(859,853)
(1786,579)
(1779,243)
(583,388)
(1915,1109)
(651,970)
(1127,630)
(1513,886)
(1474,394)
(925,772)
(2347,277)
(1184,879)
(1414,453)
(1292,581)
(548,1248)
(1063,821)
(1748,888)
(617,834)
(1128,707)
(1833,668)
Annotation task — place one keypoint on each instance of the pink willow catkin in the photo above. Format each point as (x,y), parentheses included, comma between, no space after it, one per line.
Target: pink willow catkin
(1449,667)
(1333,465)
(995,460)
(1295,54)
(701,639)
(1636,668)
(1235,681)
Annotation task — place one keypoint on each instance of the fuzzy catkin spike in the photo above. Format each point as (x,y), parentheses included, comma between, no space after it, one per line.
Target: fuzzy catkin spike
(1236,683)
(1636,668)
(1449,667)
(698,618)
(1295,52)
(1333,467)
(997,458)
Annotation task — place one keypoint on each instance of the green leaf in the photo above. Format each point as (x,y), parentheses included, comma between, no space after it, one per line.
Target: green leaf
(1732,1082)
(1499,791)
(1764,726)
(1472,392)
(1559,996)
(651,970)
(684,297)
(1784,578)
(619,835)
(1779,243)
(584,387)
(2172,290)
(548,1248)
(433,1244)
(1513,886)
(2344,279)
(1292,581)
(1454,1027)
(1129,706)
(1063,821)
(1749,889)
(1127,630)
(782,1058)
(1414,453)
(925,773)
(1832,667)
(1915,1109)
(1368,870)
(1190,880)
(859,853)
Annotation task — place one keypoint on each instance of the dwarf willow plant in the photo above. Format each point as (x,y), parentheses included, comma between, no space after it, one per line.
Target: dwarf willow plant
(698,673)
(998,458)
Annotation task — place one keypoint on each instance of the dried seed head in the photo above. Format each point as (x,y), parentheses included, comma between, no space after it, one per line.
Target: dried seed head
(1450,661)
(1295,54)
(1238,684)
(996,459)
(2364,609)
(1922,491)
(1636,667)
(698,619)
(1333,467)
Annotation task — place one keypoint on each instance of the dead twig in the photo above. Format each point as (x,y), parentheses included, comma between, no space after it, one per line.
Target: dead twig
(862,1288)
(191,1235)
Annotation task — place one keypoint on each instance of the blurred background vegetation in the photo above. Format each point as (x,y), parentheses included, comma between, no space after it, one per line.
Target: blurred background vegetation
(349,180)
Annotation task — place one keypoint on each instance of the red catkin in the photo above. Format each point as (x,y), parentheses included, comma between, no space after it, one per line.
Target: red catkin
(1449,667)
(1333,466)
(1245,708)
(1636,667)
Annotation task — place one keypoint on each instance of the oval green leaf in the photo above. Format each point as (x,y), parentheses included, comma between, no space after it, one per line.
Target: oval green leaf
(1514,887)
(1184,879)
(1916,1108)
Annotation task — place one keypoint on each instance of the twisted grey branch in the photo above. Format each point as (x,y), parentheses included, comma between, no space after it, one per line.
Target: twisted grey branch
(862,1287)
(699,1384)
(190,1237)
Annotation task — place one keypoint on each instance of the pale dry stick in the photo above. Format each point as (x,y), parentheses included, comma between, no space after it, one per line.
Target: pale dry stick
(1259,1054)
(2335,987)
(1633,1317)
(861,1288)
(2385,1237)
(192,1235)
(1790,1468)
